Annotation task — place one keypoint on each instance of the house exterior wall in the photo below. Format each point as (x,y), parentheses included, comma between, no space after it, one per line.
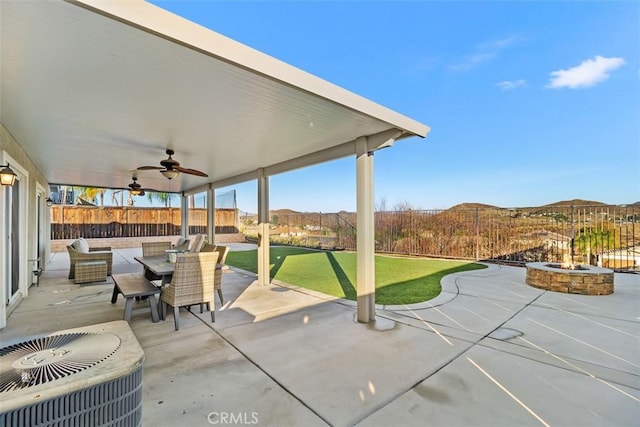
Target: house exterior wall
(628,258)
(33,183)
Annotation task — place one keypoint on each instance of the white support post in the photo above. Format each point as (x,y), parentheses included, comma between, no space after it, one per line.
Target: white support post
(365,245)
(264,274)
(211,215)
(184,215)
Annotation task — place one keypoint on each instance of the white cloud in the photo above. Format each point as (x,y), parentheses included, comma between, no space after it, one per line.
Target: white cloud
(497,45)
(484,53)
(511,84)
(588,73)
(473,61)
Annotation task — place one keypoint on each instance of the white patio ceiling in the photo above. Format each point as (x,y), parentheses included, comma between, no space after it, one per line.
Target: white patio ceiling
(93,89)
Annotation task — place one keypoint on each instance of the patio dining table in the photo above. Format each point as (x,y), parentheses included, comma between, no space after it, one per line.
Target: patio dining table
(158,265)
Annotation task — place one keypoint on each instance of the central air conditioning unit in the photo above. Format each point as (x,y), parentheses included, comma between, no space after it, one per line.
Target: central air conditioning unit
(89,376)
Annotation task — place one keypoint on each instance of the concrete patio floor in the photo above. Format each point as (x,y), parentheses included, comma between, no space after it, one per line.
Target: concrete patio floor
(489,351)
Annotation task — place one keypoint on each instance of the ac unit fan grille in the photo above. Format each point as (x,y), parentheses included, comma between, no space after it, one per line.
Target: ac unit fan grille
(49,358)
(116,403)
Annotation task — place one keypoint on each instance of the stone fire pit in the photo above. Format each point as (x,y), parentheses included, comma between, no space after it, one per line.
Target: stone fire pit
(584,279)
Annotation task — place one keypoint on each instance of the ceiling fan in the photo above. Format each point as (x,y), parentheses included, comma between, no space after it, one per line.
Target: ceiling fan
(136,189)
(171,168)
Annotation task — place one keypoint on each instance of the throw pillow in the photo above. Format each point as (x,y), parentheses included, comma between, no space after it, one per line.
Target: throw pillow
(83,245)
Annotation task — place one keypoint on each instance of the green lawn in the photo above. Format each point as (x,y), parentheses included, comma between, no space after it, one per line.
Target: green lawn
(398,280)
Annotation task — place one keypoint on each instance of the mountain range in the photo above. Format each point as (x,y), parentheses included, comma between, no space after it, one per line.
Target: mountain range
(464,206)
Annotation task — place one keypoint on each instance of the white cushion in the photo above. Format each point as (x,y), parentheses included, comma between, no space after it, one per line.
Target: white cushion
(81,245)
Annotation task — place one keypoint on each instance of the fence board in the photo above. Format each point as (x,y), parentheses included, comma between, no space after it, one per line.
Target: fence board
(70,221)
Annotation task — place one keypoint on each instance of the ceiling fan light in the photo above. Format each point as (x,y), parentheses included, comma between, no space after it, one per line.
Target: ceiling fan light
(170,174)
(135,192)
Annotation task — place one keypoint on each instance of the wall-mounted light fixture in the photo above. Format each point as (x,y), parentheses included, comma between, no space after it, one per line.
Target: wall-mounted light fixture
(49,201)
(7,176)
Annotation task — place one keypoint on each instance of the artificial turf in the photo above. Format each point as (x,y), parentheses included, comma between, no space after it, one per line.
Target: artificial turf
(399,280)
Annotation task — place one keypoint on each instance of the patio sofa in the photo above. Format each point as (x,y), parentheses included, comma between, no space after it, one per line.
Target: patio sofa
(79,252)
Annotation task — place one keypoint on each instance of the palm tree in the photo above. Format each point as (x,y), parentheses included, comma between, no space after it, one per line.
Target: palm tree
(114,198)
(93,193)
(64,194)
(164,198)
(90,194)
(594,241)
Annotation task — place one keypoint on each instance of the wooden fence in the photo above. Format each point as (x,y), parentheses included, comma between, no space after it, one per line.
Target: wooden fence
(71,222)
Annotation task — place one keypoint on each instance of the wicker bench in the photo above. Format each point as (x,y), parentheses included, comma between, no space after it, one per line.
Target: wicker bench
(132,285)
(90,271)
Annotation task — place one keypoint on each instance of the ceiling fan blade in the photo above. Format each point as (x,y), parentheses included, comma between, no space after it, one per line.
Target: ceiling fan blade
(148,168)
(170,168)
(190,171)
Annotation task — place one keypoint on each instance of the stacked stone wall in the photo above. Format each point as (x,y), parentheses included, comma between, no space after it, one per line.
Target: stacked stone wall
(590,281)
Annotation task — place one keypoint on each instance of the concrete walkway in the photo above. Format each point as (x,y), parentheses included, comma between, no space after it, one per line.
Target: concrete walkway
(489,351)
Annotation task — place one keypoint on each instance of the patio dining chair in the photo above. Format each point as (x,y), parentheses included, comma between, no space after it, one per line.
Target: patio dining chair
(198,242)
(192,283)
(181,245)
(154,249)
(222,252)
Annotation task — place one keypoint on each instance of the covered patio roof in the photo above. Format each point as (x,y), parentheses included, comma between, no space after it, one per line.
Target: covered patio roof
(92,89)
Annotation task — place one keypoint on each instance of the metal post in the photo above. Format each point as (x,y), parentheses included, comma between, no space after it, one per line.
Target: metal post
(184,216)
(211,215)
(572,234)
(477,234)
(320,230)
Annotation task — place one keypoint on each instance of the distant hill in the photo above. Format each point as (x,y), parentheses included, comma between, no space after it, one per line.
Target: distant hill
(284,212)
(461,206)
(575,202)
(464,206)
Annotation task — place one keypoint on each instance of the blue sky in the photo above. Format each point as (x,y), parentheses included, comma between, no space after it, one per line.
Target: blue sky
(529,103)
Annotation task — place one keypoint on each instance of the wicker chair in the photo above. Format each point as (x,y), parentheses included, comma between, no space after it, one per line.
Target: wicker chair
(83,253)
(208,247)
(222,252)
(222,258)
(182,244)
(193,283)
(154,249)
(198,242)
